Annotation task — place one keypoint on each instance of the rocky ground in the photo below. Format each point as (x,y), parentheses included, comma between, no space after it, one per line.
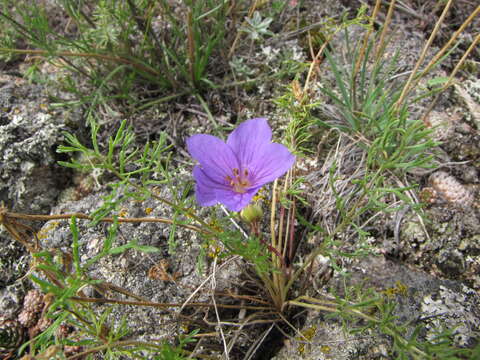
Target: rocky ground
(429,266)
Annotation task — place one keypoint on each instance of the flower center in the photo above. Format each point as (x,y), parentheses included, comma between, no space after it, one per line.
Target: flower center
(239,182)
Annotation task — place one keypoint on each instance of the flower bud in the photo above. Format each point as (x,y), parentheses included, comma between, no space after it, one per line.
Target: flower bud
(251,213)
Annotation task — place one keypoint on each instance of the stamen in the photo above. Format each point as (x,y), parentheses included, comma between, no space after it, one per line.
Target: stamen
(230,181)
(238,182)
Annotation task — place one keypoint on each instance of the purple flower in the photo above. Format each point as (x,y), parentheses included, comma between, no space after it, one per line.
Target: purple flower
(231,173)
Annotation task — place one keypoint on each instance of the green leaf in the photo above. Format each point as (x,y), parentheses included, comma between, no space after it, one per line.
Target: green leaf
(134,245)
(440,80)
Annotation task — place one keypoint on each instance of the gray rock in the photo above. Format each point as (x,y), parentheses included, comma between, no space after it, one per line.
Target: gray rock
(11,299)
(420,298)
(451,262)
(30,178)
(144,274)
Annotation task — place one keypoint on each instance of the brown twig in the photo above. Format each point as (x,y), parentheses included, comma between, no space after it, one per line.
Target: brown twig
(191,47)
(116,59)
(166,305)
(7,218)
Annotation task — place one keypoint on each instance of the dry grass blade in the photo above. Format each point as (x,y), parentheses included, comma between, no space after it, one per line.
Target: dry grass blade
(253,349)
(217,315)
(409,84)
(381,41)
(204,282)
(114,59)
(450,42)
(167,305)
(452,76)
(366,37)
(349,162)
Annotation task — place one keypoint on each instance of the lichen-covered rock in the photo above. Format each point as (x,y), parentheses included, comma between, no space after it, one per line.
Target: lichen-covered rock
(11,337)
(30,178)
(445,242)
(469,93)
(162,277)
(13,261)
(451,262)
(453,308)
(11,298)
(439,303)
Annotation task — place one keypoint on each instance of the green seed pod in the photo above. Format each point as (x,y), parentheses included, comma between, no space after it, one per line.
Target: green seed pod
(251,213)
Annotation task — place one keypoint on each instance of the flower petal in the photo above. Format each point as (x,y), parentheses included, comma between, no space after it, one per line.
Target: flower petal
(215,157)
(248,138)
(204,188)
(235,201)
(270,163)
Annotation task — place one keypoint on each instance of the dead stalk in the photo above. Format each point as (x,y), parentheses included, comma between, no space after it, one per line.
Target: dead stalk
(381,41)
(409,84)
(449,43)
(451,78)
(116,59)
(7,219)
(165,305)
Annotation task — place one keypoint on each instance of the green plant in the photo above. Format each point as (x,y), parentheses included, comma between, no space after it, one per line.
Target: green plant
(64,277)
(257,27)
(376,142)
(141,42)
(367,101)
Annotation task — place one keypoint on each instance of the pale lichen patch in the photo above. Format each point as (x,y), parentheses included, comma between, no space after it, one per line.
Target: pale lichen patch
(443,311)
